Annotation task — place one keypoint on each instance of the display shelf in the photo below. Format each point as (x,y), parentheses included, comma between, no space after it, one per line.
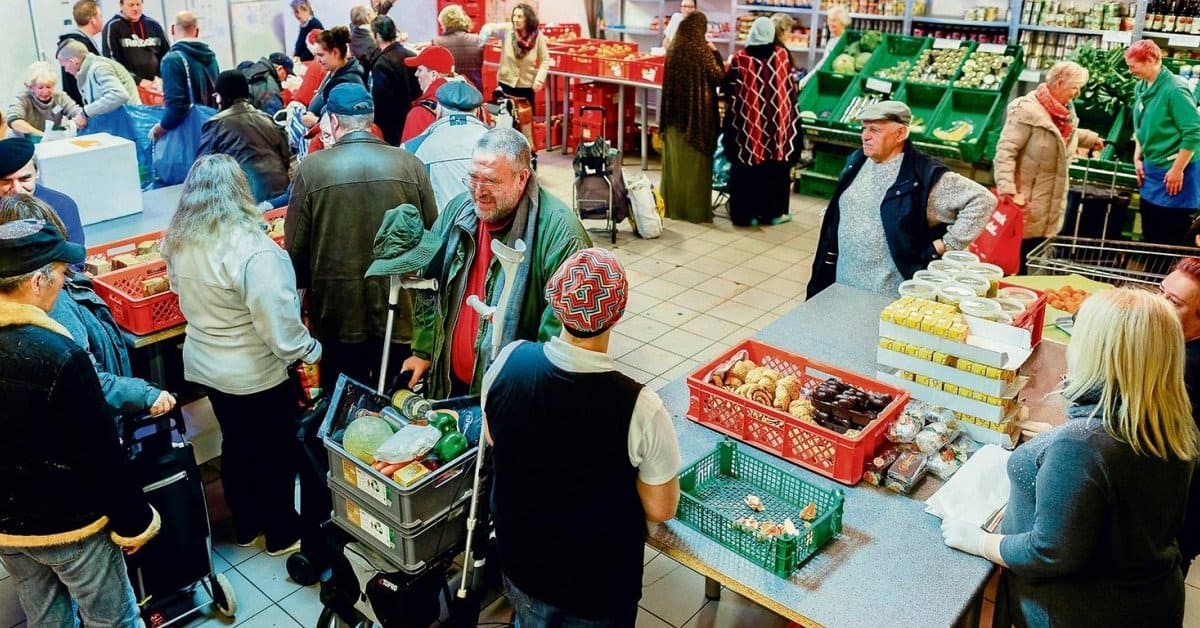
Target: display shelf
(631,30)
(1068,30)
(771,9)
(871,16)
(950,21)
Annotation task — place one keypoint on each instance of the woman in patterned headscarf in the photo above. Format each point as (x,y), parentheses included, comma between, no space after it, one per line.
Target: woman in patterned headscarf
(690,121)
(762,129)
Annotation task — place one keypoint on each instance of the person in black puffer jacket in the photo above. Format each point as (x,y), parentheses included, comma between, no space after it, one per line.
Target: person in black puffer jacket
(248,135)
(69,502)
(333,52)
(135,41)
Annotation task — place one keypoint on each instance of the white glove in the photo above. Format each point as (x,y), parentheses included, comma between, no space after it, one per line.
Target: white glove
(964,535)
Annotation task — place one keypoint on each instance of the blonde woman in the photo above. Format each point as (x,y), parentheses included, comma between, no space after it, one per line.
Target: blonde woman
(837,21)
(1040,137)
(467,47)
(237,289)
(1097,503)
(42,102)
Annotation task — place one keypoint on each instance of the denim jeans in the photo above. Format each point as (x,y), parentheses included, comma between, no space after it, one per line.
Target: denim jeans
(56,585)
(529,612)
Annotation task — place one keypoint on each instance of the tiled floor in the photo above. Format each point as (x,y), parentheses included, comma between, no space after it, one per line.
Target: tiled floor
(695,291)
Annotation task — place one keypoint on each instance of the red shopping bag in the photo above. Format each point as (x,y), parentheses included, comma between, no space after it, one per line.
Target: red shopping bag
(1000,241)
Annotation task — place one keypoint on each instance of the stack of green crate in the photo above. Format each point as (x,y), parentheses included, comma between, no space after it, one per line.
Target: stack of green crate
(1114,166)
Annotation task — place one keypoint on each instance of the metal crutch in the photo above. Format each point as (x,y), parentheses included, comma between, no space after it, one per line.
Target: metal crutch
(395,283)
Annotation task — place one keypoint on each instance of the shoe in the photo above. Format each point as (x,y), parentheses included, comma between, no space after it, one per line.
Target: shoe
(242,542)
(781,219)
(290,549)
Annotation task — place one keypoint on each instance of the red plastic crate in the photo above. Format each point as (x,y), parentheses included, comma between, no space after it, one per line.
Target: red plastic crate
(492,52)
(141,315)
(1033,318)
(151,98)
(811,446)
(125,245)
(272,215)
(614,68)
(648,70)
(558,31)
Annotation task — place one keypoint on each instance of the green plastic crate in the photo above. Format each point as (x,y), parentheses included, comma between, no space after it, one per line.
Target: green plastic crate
(847,38)
(1005,85)
(812,183)
(830,159)
(924,100)
(968,45)
(824,95)
(894,49)
(713,494)
(974,106)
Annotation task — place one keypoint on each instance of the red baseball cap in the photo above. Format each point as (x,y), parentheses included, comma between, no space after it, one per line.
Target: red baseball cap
(436,58)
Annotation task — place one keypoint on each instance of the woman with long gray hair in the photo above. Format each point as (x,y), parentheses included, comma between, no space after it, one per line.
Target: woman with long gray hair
(237,289)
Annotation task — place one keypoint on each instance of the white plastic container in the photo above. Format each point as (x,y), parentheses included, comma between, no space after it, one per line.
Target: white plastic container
(954,292)
(978,283)
(1026,296)
(980,307)
(961,258)
(991,272)
(918,289)
(932,277)
(945,266)
(1010,306)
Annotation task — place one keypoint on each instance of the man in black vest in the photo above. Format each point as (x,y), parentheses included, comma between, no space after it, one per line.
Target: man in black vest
(894,209)
(554,413)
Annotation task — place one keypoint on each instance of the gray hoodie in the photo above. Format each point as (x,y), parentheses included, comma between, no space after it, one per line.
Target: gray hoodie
(105,85)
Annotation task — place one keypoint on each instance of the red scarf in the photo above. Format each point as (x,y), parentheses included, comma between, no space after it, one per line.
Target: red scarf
(1060,115)
(524,42)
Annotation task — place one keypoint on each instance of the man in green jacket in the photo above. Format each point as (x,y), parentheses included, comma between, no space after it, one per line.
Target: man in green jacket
(505,202)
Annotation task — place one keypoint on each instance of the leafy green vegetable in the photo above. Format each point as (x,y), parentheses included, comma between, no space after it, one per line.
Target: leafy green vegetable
(861,60)
(869,40)
(844,64)
(1109,86)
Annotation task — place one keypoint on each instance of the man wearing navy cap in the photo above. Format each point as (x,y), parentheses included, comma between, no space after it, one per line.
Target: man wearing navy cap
(338,200)
(446,146)
(64,554)
(19,174)
(632,458)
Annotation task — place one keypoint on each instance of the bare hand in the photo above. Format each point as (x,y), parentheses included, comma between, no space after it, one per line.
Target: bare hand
(146,83)
(1029,429)
(418,366)
(309,119)
(1174,180)
(1019,199)
(156,132)
(939,247)
(1140,169)
(537,85)
(164,404)
(80,121)
(1197,239)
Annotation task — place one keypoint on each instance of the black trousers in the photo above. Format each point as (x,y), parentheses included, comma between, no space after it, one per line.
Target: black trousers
(1166,225)
(521,92)
(760,192)
(259,457)
(360,362)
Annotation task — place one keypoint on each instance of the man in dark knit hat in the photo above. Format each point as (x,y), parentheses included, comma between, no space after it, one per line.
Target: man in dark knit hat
(248,135)
(19,175)
(631,457)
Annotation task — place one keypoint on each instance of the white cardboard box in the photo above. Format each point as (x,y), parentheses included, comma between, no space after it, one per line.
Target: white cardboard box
(956,376)
(100,172)
(987,411)
(982,349)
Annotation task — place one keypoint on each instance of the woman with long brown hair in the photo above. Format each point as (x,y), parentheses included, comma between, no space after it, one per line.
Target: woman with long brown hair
(524,59)
(690,121)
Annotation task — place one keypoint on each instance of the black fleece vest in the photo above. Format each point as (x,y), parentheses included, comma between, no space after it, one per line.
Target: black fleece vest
(903,212)
(569,523)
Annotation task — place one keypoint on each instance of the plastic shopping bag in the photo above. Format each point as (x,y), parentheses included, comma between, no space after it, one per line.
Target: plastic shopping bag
(1000,241)
(131,122)
(645,219)
(175,151)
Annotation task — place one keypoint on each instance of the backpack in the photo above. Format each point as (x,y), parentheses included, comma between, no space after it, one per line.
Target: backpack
(266,92)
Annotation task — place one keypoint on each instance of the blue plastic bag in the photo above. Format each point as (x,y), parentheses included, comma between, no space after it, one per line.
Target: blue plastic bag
(131,122)
(175,152)
(721,167)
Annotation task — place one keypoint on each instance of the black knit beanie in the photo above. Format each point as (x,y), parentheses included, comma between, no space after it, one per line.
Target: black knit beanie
(232,85)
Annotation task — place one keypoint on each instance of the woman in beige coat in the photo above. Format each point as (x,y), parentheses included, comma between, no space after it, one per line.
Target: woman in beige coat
(1040,137)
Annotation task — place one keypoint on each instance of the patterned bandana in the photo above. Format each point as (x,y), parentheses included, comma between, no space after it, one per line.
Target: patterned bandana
(588,292)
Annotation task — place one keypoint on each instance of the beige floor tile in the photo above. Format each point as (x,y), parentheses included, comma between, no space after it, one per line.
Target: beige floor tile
(788,306)
(709,265)
(659,288)
(651,266)
(654,360)
(768,265)
(657,568)
(683,369)
(773,235)
(711,327)
(1191,607)
(641,328)
(682,342)
(273,617)
(735,312)
(734,256)
(685,276)
(746,275)
(719,237)
(737,337)
(619,344)
(304,605)
(646,619)
(636,277)
(697,245)
(644,247)
(721,287)
(748,244)
(697,299)
(626,256)
(683,227)
(712,352)
(670,314)
(676,597)
(640,301)
(804,243)
(657,383)
(761,299)
(642,377)
(734,611)
(269,574)
(761,322)
(790,253)
(676,255)
(784,287)
(1193,578)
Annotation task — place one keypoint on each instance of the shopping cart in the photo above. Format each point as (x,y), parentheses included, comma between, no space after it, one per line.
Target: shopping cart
(598,191)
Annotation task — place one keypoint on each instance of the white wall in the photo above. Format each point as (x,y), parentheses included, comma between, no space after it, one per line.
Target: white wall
(418,18)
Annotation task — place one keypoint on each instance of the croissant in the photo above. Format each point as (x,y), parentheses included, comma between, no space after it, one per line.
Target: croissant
(792,383)
(755,374)
(733,381)
(717,379)
(772,373)
(783,397)
(744,390)
(741,368)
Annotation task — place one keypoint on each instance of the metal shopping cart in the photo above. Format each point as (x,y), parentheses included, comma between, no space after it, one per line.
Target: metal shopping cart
(599,189)
(1096,250)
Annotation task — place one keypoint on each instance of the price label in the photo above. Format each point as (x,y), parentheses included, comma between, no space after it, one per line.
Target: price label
(1184,41)
(372,486)
(1030,76)
(1117,37)
(996,49)
(879,85)
(369,524)
(941,43)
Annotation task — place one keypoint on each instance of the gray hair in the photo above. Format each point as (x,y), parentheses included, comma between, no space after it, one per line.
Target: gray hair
(507,142)
(360,15)
(215,202)
(839,13)
(71,49)
(1067,72)
(41,72)
(301,4)
(9,285)
(360,122)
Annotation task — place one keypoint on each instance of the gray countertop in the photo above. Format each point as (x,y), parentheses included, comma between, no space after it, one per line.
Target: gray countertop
(889,567)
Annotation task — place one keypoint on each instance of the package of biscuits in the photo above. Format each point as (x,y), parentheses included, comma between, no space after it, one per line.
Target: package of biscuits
(908,470)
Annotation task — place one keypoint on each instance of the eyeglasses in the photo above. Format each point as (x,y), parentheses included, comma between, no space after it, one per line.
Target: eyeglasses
(472,183)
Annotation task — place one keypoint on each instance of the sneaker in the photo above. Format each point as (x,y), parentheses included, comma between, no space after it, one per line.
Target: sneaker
(290,549)
(244,542)
(781,219)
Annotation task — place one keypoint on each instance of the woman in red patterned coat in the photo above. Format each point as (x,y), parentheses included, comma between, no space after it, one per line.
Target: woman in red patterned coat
(762,129)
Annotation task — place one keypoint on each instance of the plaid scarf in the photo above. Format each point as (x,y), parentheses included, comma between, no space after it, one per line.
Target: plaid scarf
(524,42)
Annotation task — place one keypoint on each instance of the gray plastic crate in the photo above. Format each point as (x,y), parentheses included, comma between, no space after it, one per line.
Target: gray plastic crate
(406,507)
(411,551)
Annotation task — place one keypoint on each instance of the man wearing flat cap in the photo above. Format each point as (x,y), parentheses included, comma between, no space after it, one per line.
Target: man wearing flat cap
(446,146)
(64,554)
(632,458)
(338,200)
(894,209)
(432,67)
(19,175)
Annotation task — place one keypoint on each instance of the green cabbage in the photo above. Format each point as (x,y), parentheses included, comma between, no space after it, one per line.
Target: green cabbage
(843,64)
(861,60)
(364,435)
(869,40)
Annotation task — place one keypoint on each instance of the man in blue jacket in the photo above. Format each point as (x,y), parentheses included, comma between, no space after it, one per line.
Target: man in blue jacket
(189,74)
(19,175)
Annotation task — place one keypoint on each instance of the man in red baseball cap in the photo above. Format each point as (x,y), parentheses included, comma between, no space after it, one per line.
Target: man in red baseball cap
(588,416)
(433,66)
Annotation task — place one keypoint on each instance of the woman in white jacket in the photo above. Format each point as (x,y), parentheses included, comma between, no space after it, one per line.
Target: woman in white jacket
(237,290)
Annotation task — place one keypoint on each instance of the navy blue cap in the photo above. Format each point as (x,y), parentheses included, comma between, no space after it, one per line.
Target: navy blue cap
(459,95)
(350,99)
(29,244)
